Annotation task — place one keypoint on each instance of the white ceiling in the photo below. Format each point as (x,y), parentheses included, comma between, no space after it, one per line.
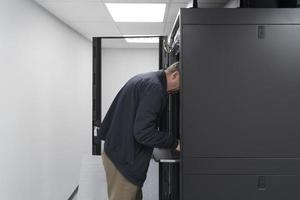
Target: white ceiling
(92,19)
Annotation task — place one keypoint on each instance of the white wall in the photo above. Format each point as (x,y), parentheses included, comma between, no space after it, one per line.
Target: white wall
(118,66)
(45,103)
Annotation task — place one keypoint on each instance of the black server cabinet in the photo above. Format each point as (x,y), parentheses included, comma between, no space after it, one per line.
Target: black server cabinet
(168,170)
(240,104)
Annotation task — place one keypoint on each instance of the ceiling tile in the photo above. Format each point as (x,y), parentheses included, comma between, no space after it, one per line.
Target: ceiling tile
(95,29)
(78,10)
(133,1)
(121,43)
(199,1)
(212,1)
(179,1)
(91,17)
(173,11)
(211,5)
(168,28)
(141,28)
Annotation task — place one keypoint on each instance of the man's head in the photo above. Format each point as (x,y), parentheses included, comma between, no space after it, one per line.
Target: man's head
(172,75)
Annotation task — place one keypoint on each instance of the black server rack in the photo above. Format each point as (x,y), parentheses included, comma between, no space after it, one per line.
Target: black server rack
(240,110)
(168,162)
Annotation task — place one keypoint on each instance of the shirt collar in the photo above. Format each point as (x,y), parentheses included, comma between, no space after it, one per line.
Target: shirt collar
(163,78)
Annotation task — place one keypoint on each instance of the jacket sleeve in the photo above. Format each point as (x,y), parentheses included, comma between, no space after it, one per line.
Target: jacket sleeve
(145,131)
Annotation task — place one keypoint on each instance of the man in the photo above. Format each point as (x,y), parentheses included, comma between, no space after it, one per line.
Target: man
(130,130)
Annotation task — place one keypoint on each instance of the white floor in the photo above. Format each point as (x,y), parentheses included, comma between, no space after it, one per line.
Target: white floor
(92,184)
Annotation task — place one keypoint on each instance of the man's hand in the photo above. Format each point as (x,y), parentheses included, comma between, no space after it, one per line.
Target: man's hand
(178,146)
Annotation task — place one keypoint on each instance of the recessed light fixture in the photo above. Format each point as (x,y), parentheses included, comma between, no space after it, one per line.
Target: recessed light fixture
(142,40)
(137,12)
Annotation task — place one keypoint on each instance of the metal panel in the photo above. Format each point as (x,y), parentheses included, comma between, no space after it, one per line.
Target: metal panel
(241,187)
(250,166)
(241,93)
(240,16)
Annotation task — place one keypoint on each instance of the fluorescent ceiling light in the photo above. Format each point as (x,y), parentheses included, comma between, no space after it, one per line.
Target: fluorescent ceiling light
(137,12)
(142,40)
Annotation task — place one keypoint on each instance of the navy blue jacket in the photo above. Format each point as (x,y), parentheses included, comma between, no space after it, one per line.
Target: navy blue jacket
(130,127)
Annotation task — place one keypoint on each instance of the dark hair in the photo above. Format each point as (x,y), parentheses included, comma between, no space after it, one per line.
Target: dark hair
(172,68)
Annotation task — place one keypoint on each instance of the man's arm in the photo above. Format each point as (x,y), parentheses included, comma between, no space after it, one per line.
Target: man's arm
(145,131)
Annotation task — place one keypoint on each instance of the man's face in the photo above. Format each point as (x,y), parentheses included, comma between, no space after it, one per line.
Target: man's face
(173,82)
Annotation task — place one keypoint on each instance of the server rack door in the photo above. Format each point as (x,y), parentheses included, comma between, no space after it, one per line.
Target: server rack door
(240,112)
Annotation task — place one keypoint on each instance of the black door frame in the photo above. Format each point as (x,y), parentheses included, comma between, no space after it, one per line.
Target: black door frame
(96,87)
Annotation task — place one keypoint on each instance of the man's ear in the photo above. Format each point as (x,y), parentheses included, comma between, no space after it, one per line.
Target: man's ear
(175,74)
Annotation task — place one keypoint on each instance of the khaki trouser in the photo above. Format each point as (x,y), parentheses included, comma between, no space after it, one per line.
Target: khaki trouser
(118,187)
